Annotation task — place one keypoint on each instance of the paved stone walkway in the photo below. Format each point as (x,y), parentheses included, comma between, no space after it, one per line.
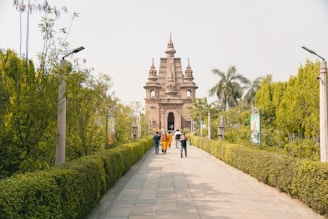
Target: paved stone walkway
(197,187)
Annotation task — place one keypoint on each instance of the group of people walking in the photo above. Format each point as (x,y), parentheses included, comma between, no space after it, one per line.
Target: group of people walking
(166,138)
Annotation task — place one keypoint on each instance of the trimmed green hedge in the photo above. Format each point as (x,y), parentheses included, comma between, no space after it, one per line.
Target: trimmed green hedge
(70,190)
(301,179)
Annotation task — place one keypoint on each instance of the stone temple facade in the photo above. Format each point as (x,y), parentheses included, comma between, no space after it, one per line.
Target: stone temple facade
(169,94)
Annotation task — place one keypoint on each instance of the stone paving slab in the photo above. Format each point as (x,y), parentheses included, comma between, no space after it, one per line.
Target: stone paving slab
(166,186)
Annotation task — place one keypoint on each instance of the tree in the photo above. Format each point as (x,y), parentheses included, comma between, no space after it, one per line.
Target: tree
(123,123)
(28,130)
(200,109)
(21,7)
(28,107)
(298,111)
(267,100)
(137,116)
(26,122)
(228,90)
(87,103)
(252,87)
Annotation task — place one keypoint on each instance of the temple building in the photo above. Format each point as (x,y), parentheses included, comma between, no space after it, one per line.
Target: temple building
(169,94)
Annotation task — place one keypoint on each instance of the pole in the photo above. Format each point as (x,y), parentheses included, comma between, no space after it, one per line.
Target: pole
(61,114)
(139,126)
(201,128)
(323,111)
(209,124)
(61,117)
(107,128)
(323,107)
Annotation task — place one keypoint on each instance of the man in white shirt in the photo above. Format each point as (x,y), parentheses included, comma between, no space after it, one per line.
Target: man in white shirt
(177,135)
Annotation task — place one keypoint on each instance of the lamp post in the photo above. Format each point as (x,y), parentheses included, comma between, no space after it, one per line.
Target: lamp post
(139,126)
(221,129)
(110,125)
(209,124)
(61,114)
(107,128)
(323,106)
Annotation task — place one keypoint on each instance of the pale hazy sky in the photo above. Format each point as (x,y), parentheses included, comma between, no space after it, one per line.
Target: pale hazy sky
(121,37)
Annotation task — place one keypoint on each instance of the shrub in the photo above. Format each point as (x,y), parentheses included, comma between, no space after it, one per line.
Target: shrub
(70,190)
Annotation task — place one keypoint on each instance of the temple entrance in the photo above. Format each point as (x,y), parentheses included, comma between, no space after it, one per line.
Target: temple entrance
(170,121)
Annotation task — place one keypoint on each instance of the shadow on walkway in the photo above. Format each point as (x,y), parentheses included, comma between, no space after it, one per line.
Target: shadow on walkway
(197,187)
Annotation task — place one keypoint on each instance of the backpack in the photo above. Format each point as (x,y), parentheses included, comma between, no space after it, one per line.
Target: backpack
(177,136)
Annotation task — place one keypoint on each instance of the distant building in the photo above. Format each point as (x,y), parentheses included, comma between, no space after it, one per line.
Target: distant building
(169,94)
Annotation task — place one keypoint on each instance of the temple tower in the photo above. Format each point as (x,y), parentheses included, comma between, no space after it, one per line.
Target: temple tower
(169,94)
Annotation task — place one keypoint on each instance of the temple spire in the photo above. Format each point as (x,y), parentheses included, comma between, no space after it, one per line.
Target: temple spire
(152,72)
(188,72)
(170,48)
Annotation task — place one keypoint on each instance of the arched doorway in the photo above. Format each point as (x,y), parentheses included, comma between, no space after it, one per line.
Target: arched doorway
(170,121)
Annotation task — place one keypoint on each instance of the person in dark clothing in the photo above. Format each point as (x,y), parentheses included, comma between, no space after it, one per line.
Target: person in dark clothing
(157,138)
(183,141)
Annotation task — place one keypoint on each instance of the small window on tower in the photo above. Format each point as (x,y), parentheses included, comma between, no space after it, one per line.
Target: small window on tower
(152,94)
(188,94)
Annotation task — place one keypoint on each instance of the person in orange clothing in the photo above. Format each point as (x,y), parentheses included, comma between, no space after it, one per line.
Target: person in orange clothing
(164,140)
(169,139)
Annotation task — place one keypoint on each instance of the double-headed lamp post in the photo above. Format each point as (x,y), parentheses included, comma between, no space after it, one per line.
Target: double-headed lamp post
(323,106)
(61,114)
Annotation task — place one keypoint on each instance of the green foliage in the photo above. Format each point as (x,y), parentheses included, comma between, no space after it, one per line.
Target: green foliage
(29,196)
(25,116)
(310,185)
(228,90)
(86,110)
(253,87)
(288,115)
(288,111)
(236,125)
(286,108)
(302,148)
(123,123)
(29,115)
(70,190)
(298,111)
(29,98)
(199,112)
(267,100)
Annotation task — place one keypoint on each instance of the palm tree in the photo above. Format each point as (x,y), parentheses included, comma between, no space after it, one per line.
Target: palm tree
(253,87)
(228,89)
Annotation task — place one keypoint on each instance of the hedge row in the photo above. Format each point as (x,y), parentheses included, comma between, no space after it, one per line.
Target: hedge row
(301,179)
(70,190)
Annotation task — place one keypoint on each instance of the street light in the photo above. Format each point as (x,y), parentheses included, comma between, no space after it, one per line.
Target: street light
(311,51)
(61,114)
(209,124)
(323,106)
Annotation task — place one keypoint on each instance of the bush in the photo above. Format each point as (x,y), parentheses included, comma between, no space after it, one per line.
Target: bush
(70,190)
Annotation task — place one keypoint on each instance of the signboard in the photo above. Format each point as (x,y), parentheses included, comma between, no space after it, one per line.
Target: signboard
(110,125)
(255,128)
(111,130)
